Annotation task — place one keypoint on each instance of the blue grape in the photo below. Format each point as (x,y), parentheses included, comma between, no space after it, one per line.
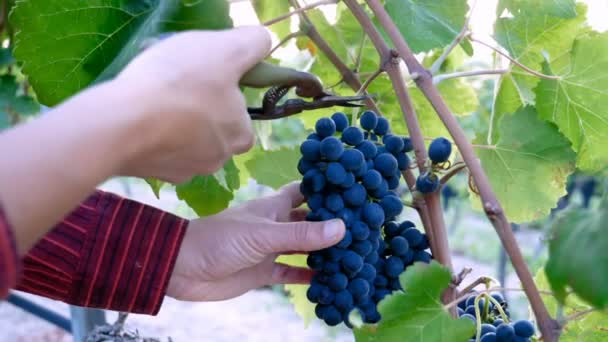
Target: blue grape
(380,281)
(314,292)
(325,127)
(470,301)
(373,215)
(440,150)
(370,136)
(314,136)
(371,314)
(331,148)
(392,182)
(359,288)
(489,337)
(407,145)
(326,296)
(315,202)
(523,328)
(386,164)
(393,267)
(334,202)
(315,179)
(395,284)
(334,253)
(332,316)
(352,262)
(403,161)
(487,328)
(381,191)
(368,120)
(394,144)
(381,294)
(352,136)
(344,301)
(347,216)
(413,236)
(382,126)
(498,322)
(315,261)
(311,150)
(356,195)
(368,272)
(370,164)
(505,332)
(427,183)
(422,256)
(360,231)
(352,159)
(349,180)
(304,165)
(468,316)
(325,214)
(399,246)
(367,148)
(408,257)
(371,258)
(331,267)
(320,310)
(392,229)
(362,248)
(498,297)
(346,240)
(340,120)
(391,205)
(338,282)
(372,179)
(335,173)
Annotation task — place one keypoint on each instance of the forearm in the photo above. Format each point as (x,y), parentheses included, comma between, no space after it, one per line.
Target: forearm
(55,161)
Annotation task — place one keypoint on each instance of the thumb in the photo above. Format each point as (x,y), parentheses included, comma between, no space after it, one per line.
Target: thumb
(245,47)
(302,236)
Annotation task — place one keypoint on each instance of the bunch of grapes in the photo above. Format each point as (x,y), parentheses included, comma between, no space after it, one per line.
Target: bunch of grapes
(439,153)
(351,174)
(495,327)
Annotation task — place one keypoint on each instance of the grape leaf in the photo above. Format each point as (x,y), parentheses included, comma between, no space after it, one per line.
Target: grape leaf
(297,292)
(532,38)
(65,45)
(205,195)
(578,102)
(557,8)
(577,254)
(274,168)
(528,166)
(156,185)
(228,176)
(418,312)
(428,24)
(14,106)
(507,101)
(270,9)
(588,328)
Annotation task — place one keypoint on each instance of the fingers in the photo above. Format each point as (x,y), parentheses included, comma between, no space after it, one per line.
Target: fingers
(302,236)
(296,215)
(283,202)
(247,46)
(285,274)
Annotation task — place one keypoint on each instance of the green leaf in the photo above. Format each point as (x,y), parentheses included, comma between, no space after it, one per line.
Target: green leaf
(578,102)
(532,38)
(577,254)
(297,292)
(556,8)
(528,166)
(588,328)
(270,9)
(418,313)
(66,45)
(428,24)
(13,106)
(274,168)
(205,195)
(156,185)
(507,100)
(228,176)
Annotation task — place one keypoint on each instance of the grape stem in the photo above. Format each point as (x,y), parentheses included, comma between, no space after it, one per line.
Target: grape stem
(452,172)
(441,250)
(576,316)
(442,77)
(549,327)
(285,40)
(369,80)
(298,10)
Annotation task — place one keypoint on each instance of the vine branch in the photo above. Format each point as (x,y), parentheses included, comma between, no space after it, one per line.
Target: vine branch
(285,40)
(298,10)
(492,208)
(369,80)
(514,61)
(442,77)
(576,315)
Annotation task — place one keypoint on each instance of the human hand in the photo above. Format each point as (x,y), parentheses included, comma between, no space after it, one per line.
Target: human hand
(228,254)
(185,91)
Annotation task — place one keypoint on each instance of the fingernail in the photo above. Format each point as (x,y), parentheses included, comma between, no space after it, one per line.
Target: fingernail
(332,230)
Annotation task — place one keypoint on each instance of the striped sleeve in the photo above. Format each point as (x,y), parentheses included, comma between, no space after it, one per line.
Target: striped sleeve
(110,253)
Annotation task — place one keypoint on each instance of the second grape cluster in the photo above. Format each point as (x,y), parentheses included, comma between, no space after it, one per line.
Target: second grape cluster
(352,173)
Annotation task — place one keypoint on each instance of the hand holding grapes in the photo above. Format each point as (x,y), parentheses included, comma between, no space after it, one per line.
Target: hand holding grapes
(228,254)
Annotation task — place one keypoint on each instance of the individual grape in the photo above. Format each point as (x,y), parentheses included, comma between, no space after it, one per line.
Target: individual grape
(468,316)
(382,126)
(392,229)
(349,180)
(362,248)
(311,150)
(399,246)
(422,256)
(381,191)
(413,236)
(470,301)
(407,145)
(373,215)
(352,262)
(315,261)
(497,322)
(315,179)
(370,313)
(368,272)
(368,120)
(394,144)
(380,294)
(392,182)
(371,258)
(370,136)
(352,159)
(523,328)
(347,216)
(335,173)
(352,136)
(395,284)
(320,310)
(440,150)
(326,296)
(355,196)
(505,332)
(360,231)
(331,267)
(344,301)
(315,202)
(368,149)
(372,179)
(338,282)
(346,240)
(325,127)
(331,148)
(403,161)
(332,316)
(380,281)
(498,297)
(340,120)
(334,202)
(325,214)
(487,328)
(361,170)
(394,266)
(334,253)
(304,166)
(489,337)
(427,183)
(386,164)
(391,205)
(359,288)
(314,292)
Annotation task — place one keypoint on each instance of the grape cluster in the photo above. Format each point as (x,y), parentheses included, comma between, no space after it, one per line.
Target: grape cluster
(351,174)
(494,327)
(439,153)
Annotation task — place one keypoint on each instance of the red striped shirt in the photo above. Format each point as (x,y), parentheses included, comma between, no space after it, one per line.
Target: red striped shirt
(110,253)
